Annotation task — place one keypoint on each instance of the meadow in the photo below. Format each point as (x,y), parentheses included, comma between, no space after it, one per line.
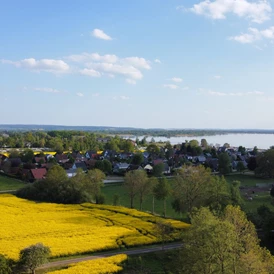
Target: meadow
(75,229)
(7,183)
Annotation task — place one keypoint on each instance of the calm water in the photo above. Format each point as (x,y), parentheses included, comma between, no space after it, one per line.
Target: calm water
(262,141)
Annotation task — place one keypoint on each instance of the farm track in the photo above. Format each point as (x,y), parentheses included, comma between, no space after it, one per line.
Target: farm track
(136,251)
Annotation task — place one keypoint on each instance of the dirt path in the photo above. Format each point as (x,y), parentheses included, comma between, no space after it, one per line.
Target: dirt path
(108,254)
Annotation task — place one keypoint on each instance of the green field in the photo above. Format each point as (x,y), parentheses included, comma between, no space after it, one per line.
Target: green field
(7,183)
(259,198)
(247,180)
(111,189)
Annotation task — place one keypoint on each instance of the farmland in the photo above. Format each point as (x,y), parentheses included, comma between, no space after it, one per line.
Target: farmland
(104,265)
(74,229)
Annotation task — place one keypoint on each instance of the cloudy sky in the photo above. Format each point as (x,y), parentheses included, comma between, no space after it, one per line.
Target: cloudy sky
(145,63)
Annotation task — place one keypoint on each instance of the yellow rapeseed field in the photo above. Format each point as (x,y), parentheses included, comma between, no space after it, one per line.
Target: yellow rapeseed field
(99,266)
(72,229)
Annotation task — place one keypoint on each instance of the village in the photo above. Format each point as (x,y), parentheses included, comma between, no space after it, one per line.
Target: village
(31,164)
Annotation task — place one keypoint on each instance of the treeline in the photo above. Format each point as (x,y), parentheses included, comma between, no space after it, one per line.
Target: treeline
(60,141)
(58,188)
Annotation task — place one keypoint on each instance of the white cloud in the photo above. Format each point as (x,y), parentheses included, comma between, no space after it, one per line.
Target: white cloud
(90,57)
(137,62)
(239,94)
(171,86)
(95,94)
(98,33)
(254,35)
(79,94)
(131,81)
(48,65)
(90,72)
(256,11)
(176,80)
(111,65)
(49,90)
(123,97)
(218,77)
(128,71)
(158,61)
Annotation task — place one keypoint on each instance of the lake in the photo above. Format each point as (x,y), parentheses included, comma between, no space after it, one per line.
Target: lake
(262,141)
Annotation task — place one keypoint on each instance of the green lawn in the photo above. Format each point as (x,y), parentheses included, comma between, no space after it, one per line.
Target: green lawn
(111,189)
(259,197)
(7,183)
(247,180)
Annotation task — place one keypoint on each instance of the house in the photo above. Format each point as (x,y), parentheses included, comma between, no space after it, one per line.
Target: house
(133,167)
(213,163)
(91,154)
(38,173)
(200,159)
(39,160)
(148,168)
(157,161)
(61,158)
(81,165)
(120,168)
(71,172)
(167,169)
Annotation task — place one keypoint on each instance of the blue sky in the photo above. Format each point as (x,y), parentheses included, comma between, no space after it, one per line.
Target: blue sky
(145,63)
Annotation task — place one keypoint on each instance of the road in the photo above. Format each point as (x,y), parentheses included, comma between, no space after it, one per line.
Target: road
(108,254)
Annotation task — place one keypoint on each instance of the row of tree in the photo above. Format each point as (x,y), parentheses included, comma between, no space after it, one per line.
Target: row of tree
(192,186)
(58,188)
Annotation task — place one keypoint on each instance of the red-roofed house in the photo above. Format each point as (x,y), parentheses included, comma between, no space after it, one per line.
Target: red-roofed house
(38,173)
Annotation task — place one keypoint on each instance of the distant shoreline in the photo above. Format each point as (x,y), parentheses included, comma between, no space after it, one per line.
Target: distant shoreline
(129,131)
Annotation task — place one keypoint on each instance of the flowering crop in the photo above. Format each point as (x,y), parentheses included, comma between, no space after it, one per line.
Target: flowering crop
(72,229)
(99,266)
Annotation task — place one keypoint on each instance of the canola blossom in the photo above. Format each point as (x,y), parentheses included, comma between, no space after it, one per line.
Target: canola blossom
(99,266)
(74,229)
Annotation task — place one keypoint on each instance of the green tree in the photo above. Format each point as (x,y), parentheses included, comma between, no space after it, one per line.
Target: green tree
(158,170)
(27,155)
(204,143)
(162,191)
(235,194)
(93,183)
(153,149)
(265,163)
(240,166)
(224,163)
(191,188)
(144,187)
(13,153)
(56,174)
(162,231)
(34,256)
(134,181)
(242,150)
(153,181)
(4,265)
(137,159)
(226,245)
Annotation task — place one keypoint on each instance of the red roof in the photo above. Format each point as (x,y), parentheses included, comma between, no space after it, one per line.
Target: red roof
(38,173)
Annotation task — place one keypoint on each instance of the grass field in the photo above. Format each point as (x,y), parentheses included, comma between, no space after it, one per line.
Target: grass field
(259,198)
(111,189)
(74,229)
(7,183)
(247,180)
